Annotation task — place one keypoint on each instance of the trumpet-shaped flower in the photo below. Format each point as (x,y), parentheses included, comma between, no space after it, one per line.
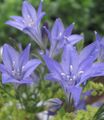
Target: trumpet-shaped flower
(60,36)
(29,22)
(75,68)
(16,67)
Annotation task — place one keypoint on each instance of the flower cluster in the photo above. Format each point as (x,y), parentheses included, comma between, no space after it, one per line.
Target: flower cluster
(17,67)
(75,67)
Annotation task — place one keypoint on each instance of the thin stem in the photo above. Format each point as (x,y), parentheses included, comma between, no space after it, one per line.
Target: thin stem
(19,98)
(69,103)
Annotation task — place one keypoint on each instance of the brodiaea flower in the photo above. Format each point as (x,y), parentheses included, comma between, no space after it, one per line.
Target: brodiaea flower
(74,69)
(59,36)
(29,22)
(17,67)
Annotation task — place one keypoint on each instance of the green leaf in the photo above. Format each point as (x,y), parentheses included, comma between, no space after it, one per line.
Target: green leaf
(99,114)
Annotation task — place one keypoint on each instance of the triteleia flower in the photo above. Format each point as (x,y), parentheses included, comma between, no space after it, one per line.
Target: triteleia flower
(75,68)
(100,46)
(29,22)
(16,67)
(59,36)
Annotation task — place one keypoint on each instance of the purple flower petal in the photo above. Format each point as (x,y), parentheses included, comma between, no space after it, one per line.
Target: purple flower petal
(40,14)
(52,77)
(85,65)
(29,23)
(87,57)
(15,24)
(75,92)
(3,68)
(8,79)
(52,65)
(24,56)
(30,66)
(100,46)
(88,52)
(35,35)
(28,12)
(69,59)
(73,39)
(81,105)
(18,19)
(10,56)
(68,30)
(57,30)
(40,18)
(97,69)
(17,68)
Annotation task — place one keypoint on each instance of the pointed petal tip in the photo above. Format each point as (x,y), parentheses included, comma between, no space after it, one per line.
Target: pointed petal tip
(7,22)
(25,2)
(58,20)
(5,45)
(29,44)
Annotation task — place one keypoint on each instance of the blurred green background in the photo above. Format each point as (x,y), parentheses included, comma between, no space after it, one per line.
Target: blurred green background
(87,14)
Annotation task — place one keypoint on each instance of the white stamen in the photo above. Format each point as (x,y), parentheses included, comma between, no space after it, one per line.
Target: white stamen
(23,21)
(74,77)
(71,67)
(60,34)
(13,62)
(68,76)
(30,24)
(28,16)
(70,79)
(66,37)
(63,74)
(23,67)
(81,72)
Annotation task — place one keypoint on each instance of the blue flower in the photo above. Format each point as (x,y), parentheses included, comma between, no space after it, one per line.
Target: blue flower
(16,67)
(29,22)
(75,68)
(59,36)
